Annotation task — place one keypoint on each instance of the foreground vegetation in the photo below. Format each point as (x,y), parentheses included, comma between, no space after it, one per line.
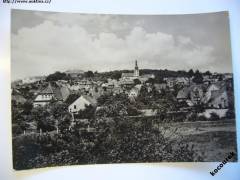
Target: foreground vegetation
(115,133)
(113,140)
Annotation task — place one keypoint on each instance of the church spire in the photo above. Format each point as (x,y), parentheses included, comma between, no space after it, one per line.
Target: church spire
(136,66)
(136,70)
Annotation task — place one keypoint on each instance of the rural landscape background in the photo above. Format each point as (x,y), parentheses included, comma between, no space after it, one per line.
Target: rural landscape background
(103,93)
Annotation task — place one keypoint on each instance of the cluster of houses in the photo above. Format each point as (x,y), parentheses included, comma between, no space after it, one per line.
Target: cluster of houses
(88,90)
(217,95)
(212,93)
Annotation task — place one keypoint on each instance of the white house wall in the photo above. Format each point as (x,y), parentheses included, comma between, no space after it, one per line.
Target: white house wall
(78,105)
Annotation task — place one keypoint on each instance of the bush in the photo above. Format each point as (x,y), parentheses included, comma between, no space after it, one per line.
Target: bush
(214,116)
(201,118)
(230,114)
(192,117)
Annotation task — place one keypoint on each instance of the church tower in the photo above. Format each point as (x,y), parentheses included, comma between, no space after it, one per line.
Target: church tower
(136,70)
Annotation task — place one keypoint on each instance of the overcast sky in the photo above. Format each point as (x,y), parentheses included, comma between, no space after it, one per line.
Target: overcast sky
(43,42)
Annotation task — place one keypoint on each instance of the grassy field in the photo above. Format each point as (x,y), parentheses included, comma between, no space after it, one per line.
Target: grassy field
(211,140)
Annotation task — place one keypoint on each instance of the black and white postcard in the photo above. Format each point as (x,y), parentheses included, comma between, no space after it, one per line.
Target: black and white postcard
(101,88)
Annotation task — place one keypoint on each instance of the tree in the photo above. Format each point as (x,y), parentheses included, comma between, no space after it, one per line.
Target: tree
(176,89)
(214,116)
(220,77)
(64,123)
(132,110)
(89,74)
(230,114)
(27,107)
(198,78)
(57,76)
(190,73)
(208,73)
(45,121)
(103,99)
(150,81)
(118,108)
(159,79)
(87,113)
(60,114)
(115,106)
(199,108)
(137,81)
(116,75)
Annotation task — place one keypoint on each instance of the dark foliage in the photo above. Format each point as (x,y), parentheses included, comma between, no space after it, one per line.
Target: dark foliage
(214,116)
(137,81)
(57,76)
(230,114)
(115,140)
(198,78)
(89,74)
(87,113)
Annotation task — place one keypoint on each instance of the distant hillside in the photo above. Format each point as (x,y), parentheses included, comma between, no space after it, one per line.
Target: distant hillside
(74,71)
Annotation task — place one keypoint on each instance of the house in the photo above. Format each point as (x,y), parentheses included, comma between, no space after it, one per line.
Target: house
(117,90)
(183,81)
(79,85)
(52,92)
(126,83)
(109,86)
(62,82)
(111,83)
(143,78)
(114,86)
(74,86)
(207,79)
(221,99)
(128,76)
(94,92)
(211,89)
(134,92)
(148,76)
(218,96)
(160,86)
(196,93)
(214,78)
(65,92)
(183,94)
(80,103)
(227,76)
(171,81)
(192,94)
(44,97)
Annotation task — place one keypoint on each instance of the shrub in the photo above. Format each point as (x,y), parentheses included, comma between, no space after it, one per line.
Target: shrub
(192,117)
(214,116)
(230,114)
(201,118)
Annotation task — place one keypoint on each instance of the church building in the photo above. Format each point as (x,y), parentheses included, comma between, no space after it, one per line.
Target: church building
(131,76)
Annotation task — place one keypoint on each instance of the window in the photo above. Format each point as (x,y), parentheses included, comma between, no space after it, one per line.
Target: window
(75,107)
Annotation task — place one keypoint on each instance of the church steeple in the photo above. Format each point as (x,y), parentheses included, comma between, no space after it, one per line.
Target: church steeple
(136,70)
